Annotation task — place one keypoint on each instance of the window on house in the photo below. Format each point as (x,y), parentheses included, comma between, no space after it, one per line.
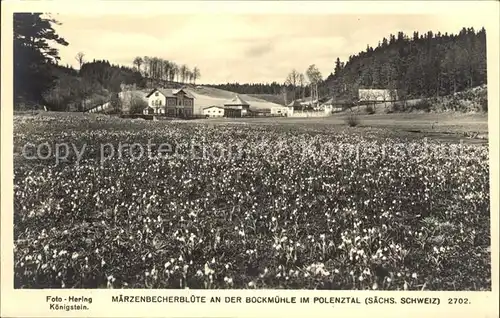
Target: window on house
(157,94)
(159,102)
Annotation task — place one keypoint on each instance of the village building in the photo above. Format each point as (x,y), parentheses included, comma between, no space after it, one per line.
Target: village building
(280,111)
(213,111)
(377,95)
(260,112)
(170,102)
(332,106)
(236,107)
(303,103)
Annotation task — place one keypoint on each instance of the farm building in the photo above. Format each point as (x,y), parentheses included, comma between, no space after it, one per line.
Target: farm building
(236,107)
(171,102)
(331,106)
(260,112)
(377,95)
(280,110)
(213,111)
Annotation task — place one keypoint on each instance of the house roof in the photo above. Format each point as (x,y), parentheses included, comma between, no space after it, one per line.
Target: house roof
(213,106)
(237,100)
(169,92)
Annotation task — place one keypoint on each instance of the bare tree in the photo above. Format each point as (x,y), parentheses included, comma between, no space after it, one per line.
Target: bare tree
(302,83)
(80,58)
(315,78)
(147,66)
(182,71)
(196,74)
(175,72)
(292,80)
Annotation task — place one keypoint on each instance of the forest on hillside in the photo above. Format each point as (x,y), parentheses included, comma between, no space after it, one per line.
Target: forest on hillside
(39,79)
(418,66)
(423,65)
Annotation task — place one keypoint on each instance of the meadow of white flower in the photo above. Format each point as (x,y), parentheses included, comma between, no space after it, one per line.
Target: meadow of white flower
(410,217)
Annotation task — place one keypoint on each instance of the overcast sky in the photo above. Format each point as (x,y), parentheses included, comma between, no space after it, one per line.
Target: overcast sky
(240,48)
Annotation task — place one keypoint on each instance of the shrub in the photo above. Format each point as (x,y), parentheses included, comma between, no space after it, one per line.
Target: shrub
(352,120)
(370,110)
(423,104)
(137,105)
(116,105)
(483,103)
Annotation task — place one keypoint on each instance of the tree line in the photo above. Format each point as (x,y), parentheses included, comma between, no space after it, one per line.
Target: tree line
(423,65)
(161,69)
(420,66)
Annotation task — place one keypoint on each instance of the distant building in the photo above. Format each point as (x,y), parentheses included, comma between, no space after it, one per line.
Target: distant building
(213,111)
(305,103)
(331,106)
(279,111)
(260,112)
(377,95)
(236,107)
(170,102)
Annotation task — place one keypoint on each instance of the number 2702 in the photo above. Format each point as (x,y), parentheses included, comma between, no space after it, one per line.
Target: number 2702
(460,301)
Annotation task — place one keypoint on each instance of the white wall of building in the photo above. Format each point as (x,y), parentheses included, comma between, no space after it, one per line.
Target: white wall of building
(213,112)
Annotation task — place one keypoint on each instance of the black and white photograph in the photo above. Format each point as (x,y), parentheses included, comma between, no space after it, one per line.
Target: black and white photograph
(345,152)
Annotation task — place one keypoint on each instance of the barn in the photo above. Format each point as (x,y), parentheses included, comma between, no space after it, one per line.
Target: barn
(236,107)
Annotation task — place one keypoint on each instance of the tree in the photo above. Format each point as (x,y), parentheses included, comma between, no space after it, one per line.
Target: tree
(79,58)
(33,55)
(291,80)
(116,104)
(196,74)
(174,72)
(137,105)
(314,76)
(138,61)
(302,84)
(147,66)
(182,70)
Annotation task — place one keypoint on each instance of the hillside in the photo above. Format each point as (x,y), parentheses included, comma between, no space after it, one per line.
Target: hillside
(272,98)
(419,66)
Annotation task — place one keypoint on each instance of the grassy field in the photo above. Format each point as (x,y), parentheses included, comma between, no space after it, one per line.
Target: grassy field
(253,203)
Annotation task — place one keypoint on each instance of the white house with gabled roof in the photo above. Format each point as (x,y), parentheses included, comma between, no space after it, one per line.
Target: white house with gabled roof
(213,111)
